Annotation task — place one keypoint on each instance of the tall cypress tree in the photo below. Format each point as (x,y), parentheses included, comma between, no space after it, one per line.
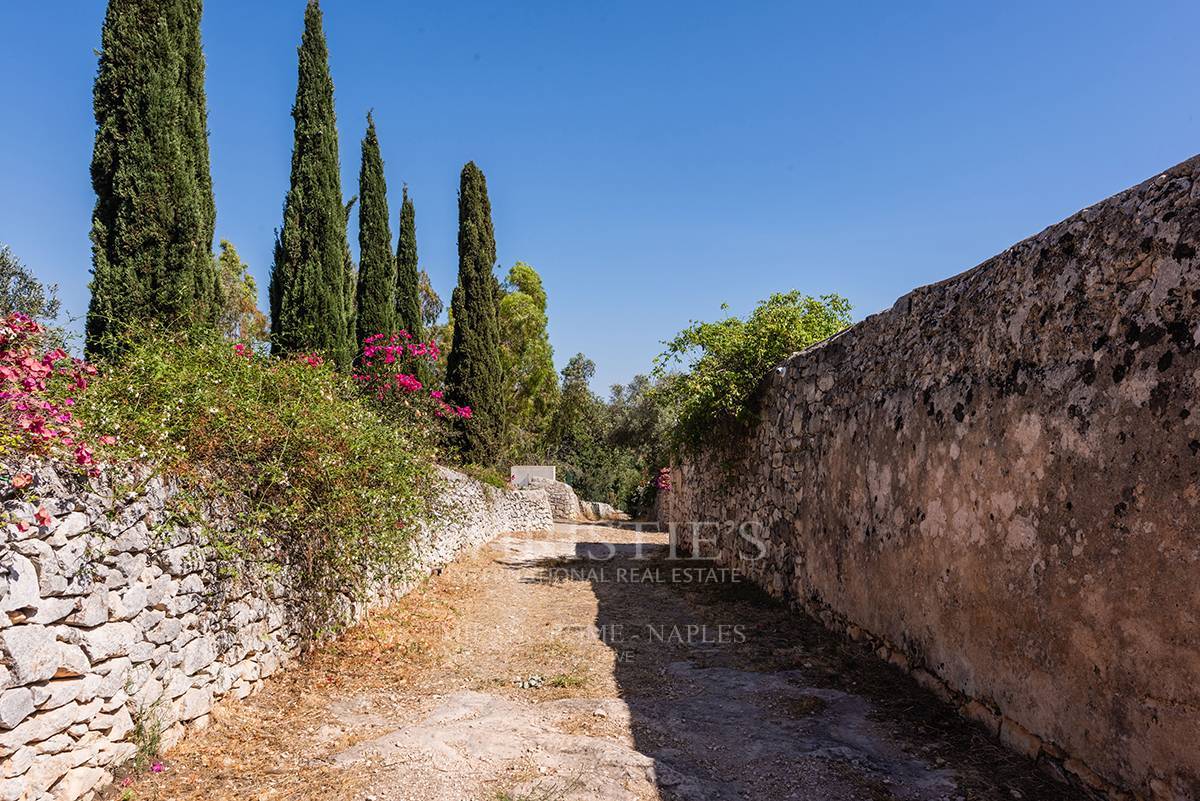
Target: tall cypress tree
(350,283)
(152,226)
(473,369)
(408,277)
(376,298)
(310,295)
(208,290)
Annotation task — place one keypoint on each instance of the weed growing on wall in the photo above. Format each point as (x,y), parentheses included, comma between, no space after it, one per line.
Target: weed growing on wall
(311,473)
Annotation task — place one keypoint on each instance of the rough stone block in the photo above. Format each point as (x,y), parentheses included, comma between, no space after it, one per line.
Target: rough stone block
(55,744)
(165,631)
(197,654)
(92,611)
(114,673)
(194,703)
(72,661)
(32,652)
(108,640)
(40,726)
(15,705)
(128,604)
(70,526)
(55,693)
(12,789)
(52,610)
(80,780)
(18,583)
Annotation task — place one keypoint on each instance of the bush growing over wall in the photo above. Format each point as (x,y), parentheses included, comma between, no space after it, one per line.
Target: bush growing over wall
(727,360)
(314,475)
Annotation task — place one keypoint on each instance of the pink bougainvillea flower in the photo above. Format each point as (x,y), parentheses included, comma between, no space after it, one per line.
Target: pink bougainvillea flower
(313,360)
(409,383)
(22,480)
(157,767)
(42,517)
(107,439)
(84,455)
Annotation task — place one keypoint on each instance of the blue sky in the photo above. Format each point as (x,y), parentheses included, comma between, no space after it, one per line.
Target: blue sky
(651,160)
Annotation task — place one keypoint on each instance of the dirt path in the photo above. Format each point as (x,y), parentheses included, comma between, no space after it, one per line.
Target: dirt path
(586,666)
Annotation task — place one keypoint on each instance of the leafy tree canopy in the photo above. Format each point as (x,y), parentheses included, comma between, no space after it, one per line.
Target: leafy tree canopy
(727,359)
(530,382)
(240,317)
(21,292)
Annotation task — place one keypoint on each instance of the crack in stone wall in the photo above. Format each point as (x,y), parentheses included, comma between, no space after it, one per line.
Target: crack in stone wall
(997,479)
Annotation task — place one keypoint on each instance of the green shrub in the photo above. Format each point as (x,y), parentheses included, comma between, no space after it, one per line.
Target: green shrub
(314,477)
(727,360)
(487,475)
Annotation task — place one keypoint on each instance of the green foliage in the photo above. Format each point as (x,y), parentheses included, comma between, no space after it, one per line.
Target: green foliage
(578,441)
(728,359)
(431,302)
(530,381)
(488,475)
(375,311)
(22,292)
(640,426)
(152,227)
(350,285)
(312,278)
(313,476)
(474,371)
(413,290)
(240,317)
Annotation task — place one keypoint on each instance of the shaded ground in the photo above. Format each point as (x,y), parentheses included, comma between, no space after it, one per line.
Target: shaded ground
(585,666)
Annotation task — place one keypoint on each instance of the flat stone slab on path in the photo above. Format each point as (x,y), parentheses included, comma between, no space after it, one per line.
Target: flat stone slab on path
(587,665)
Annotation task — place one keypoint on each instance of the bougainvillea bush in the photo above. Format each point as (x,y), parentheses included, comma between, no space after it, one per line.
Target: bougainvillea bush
(316,476)
(39,387)
(389,372)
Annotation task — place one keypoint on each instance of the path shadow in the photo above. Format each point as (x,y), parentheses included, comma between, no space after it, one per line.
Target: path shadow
(735,696)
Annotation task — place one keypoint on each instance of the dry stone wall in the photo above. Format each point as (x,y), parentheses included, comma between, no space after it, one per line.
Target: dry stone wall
(997,481)
(110,615)
(566,504)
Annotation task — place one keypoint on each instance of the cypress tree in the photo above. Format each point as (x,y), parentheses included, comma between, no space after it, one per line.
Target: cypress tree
(209,293)
(473,369)
(350,283)
(376,299)
(408,276)
(152,226)
(310,290)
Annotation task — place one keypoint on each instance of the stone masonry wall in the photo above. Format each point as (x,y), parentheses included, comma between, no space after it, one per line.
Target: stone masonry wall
(996,480)
(109,612)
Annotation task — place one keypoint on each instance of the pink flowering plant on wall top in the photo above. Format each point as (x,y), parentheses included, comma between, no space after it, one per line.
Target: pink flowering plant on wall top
(39,385)
(299,468)
(395,371)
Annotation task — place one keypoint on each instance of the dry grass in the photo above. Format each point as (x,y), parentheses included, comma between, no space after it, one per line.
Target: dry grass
(261,749)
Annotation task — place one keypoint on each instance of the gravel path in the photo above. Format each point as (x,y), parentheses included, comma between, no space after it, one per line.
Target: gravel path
(588,665)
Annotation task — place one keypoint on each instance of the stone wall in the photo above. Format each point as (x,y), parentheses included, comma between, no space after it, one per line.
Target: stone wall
(110,614)
(997,481)
(563,499)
